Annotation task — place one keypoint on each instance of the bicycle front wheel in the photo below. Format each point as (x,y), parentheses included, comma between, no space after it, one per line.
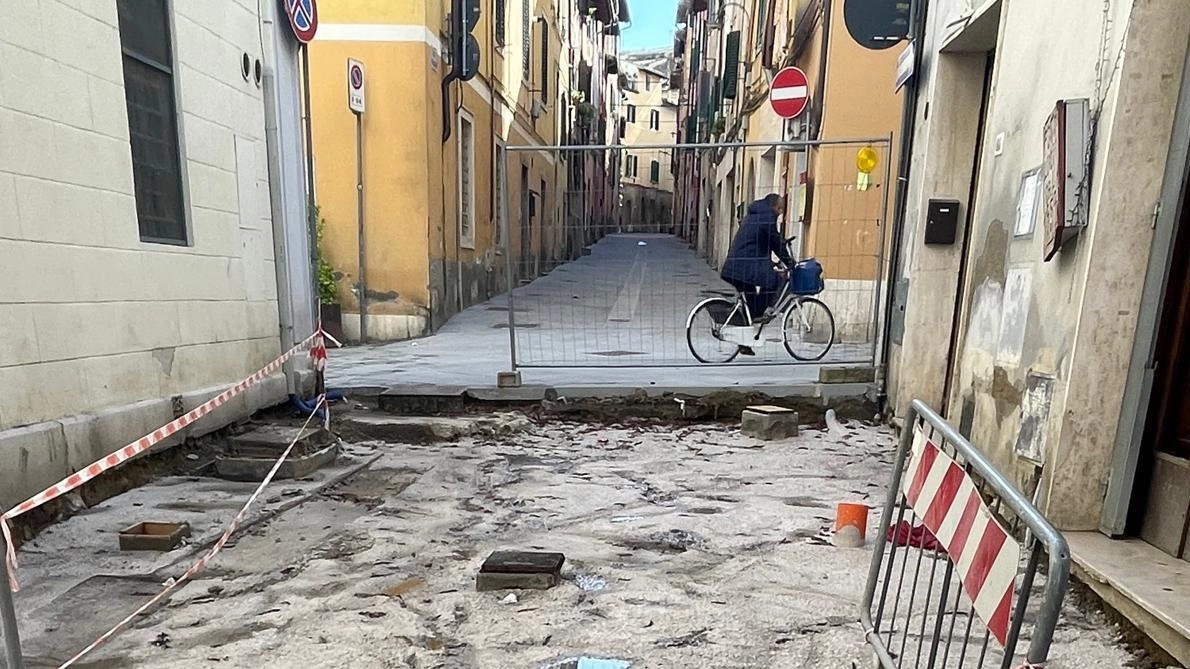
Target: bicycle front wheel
(808,330)
(704,331)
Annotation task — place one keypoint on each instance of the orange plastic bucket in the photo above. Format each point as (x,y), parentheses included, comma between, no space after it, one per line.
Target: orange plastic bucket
(851,524)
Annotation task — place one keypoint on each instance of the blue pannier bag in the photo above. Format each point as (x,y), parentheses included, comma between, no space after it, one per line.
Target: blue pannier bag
(806,278)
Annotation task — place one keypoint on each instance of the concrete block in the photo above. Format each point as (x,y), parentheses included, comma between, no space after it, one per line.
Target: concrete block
(31,458)
(255,469)
(488,582)
(529,394)
(769,422)
(519,570)
(423,399)
(508,379)
(90,437)
(271,440)
(847,375)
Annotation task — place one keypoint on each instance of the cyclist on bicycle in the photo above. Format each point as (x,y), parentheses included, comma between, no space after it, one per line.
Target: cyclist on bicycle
(749,264)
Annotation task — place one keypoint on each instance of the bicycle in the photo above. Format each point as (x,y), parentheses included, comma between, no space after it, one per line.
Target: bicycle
(807,331)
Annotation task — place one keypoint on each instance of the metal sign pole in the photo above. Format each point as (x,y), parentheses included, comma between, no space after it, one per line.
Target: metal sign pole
(8,616)
(359,188)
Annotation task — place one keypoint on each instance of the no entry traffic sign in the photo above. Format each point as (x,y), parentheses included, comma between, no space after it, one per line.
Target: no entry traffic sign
(303,17)
(790,93)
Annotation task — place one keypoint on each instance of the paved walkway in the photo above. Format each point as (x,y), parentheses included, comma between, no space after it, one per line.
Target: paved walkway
(616,317)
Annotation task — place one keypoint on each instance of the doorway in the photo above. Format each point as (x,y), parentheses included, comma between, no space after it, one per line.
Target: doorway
(526,224)
(1165,478)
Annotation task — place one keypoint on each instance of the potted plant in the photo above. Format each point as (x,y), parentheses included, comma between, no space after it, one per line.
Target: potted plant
(329,308)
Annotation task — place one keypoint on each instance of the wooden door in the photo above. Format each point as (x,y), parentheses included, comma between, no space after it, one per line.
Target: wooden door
(1166,521)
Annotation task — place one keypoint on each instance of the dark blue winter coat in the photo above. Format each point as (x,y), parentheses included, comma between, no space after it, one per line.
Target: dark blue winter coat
(750,259)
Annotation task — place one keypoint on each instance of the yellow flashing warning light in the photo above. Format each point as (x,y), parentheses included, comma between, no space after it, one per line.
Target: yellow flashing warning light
(866,160)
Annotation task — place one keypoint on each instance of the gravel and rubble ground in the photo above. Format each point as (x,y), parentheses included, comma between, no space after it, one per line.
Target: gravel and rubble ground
(687,546)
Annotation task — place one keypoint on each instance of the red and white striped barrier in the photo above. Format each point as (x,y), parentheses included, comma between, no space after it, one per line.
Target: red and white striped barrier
(202,562)
(314,342)
(985,556)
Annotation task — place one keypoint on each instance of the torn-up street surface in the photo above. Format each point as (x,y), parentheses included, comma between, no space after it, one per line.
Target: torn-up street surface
(686,546)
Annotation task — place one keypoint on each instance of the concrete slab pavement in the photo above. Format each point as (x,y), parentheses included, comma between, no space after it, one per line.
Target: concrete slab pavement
(614,318)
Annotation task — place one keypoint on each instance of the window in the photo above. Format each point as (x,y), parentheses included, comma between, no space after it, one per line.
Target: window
(654,120)
(501,12)
(631,164)
(501,217)
(152,120)
(466,182)
(631,113)
(526,40)
(762,13)
(655,172)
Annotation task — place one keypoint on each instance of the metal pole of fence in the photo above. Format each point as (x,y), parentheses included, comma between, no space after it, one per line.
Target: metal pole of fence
(509,270)
(894,490)
(791,144)
(8,616)
(877,317)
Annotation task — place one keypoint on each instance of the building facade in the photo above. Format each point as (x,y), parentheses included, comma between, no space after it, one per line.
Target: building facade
(730,53)
(1060,353)
(456,185)
(152,223)
(649,120)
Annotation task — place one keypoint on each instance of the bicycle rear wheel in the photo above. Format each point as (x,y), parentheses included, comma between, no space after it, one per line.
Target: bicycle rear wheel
(703,329)
(808,330)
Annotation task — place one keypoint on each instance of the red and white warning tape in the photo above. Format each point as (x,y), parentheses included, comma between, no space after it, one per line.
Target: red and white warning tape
(316,344)
(202,562)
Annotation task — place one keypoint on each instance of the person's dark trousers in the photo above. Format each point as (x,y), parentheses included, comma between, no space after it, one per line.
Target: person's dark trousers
(757,301)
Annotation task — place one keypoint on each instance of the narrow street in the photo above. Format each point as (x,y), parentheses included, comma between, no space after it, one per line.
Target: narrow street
(691,546)
(619,312)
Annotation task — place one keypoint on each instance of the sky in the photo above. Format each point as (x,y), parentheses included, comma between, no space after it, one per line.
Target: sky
(652,25)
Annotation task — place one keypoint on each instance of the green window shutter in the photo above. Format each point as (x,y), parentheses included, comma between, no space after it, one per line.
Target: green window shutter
(655,172)
(731,66)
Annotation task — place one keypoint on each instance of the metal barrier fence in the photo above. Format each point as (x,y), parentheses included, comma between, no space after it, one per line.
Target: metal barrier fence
(956,577)
(606,271)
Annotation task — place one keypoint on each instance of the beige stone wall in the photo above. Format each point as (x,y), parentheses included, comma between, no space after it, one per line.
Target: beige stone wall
(91,316)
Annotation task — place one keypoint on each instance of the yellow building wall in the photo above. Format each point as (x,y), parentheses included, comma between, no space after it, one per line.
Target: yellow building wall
(420,269)
(847,222)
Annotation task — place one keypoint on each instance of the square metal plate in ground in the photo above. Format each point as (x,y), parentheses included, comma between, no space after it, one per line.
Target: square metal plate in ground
(153,536)
(523,562)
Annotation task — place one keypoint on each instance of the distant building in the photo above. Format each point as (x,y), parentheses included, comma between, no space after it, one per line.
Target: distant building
(650,119)
(727,54)
(445,214)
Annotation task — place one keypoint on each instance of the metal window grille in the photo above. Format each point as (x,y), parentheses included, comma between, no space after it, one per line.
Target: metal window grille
(526,40)
(152,120)
(501,11)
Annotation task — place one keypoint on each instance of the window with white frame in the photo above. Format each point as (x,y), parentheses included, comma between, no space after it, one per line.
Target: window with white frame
(466,182)
(631,113)
(654,120)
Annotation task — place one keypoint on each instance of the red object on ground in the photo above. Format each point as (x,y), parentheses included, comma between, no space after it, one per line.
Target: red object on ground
(906,534)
